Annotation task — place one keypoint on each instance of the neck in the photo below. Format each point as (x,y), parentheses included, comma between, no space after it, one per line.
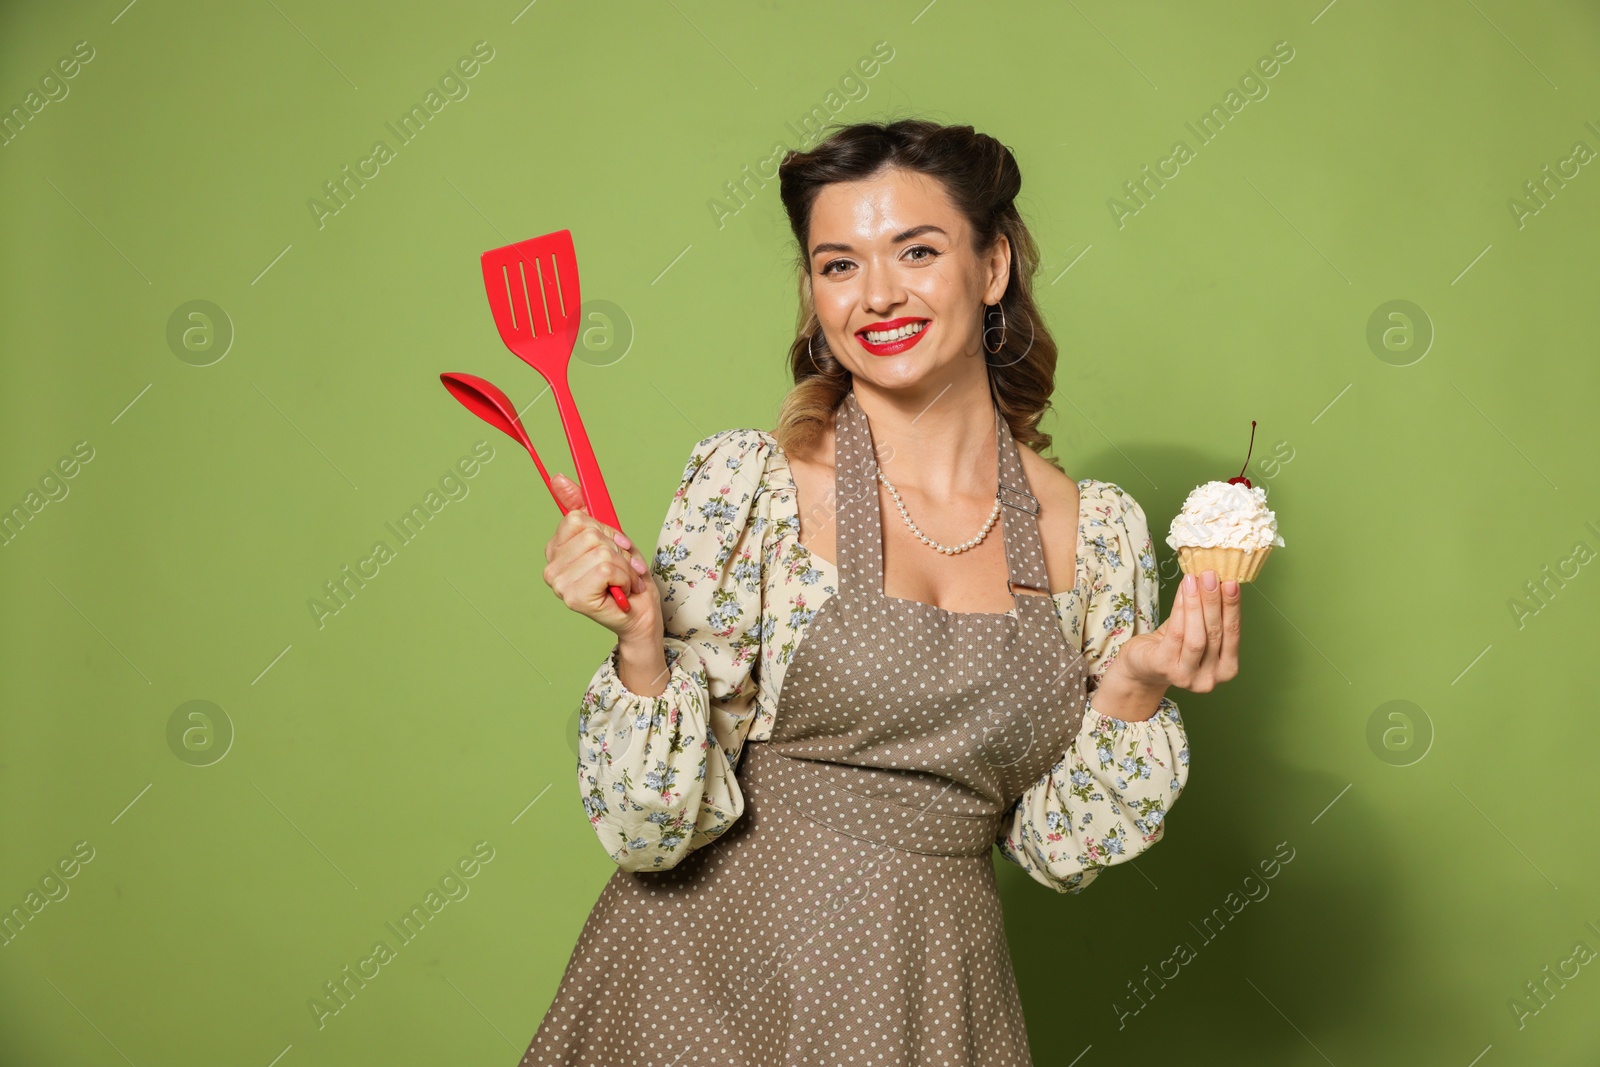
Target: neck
(939,441)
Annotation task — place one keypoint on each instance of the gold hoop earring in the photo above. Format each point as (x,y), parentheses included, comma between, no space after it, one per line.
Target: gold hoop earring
(986,328)
(811,346)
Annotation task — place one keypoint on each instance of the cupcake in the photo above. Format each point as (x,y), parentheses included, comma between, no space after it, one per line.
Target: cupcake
(1226,527)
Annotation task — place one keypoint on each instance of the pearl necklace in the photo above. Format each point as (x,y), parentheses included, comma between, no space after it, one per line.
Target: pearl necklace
(930,542)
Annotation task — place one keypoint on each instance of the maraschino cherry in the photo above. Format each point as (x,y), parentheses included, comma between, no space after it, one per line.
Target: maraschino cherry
(1241,477)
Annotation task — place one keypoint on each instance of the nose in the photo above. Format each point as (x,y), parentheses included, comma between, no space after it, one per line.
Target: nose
(881,290)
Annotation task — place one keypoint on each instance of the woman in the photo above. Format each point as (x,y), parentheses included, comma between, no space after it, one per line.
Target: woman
(888,616)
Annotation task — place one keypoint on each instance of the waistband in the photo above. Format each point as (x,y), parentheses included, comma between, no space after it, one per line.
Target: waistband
(805,785)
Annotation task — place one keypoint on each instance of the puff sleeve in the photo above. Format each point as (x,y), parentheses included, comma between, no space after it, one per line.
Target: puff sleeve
(1107,800)
(656,772)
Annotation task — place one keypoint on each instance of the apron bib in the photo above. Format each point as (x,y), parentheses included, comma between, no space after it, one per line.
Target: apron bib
(903,723)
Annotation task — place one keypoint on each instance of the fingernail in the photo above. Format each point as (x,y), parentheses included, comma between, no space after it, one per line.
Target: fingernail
(638,565)
(559,477)
(1189,584)
(622,539)
(1230,587)
(1210,580)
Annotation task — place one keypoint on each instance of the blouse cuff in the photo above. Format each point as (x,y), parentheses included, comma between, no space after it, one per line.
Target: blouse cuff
(626,712)
(1166,711)
(654,781)
(610,675)
(1104,803)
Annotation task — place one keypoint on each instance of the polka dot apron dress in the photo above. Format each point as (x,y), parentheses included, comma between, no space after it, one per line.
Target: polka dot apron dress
(851,916)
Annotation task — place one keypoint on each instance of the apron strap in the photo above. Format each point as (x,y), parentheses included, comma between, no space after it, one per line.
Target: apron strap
(859,535)
(1019,516)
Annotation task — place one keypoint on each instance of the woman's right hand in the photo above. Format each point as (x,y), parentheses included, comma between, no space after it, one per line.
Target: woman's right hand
(586,557)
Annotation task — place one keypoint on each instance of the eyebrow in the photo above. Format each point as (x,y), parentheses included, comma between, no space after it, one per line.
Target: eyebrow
(915,231)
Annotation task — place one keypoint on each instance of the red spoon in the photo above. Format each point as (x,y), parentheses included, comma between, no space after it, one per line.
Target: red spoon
(486,400)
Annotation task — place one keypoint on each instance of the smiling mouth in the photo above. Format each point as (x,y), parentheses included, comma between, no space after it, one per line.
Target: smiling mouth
(894,341)
(885,337)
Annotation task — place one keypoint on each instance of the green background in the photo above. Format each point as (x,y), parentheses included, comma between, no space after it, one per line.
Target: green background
(364,758)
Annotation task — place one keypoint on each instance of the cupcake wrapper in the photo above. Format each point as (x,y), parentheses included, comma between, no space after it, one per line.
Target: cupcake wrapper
(1237,563)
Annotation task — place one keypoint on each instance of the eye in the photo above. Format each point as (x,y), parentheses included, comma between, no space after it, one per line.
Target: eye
(844,264)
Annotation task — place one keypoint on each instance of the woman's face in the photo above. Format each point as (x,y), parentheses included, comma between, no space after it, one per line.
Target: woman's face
(893,252)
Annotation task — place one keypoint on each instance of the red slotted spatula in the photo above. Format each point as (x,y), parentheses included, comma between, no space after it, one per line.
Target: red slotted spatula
(533,292)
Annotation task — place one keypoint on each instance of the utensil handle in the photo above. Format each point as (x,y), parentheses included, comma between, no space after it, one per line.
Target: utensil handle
(595,495)
(595,498)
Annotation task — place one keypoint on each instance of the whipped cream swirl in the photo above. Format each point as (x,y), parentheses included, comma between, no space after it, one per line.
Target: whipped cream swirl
(1223,515)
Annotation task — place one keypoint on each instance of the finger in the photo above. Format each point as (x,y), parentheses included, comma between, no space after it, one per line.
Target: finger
(631,556)
(1228,666)
(1164,626)
(577,523)
(571,524)
(1211,607)
(632,576)
(570,496)
(606,530)
(587,584)
(1174,624)
(568,492)
(612,570)
(590,538)
(1194,629)
(628,546)
(568,556)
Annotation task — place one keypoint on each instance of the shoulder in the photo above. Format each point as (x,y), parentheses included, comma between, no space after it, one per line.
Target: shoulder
(1106,503)
(1059,511)
(1057,493)
(1116,532)
(727,460)
(719,516)
(730,485)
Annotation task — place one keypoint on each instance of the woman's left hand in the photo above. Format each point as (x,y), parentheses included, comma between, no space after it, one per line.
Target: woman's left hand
(1196,647)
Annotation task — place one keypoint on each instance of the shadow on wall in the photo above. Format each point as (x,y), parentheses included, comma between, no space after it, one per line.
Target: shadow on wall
(1190,946)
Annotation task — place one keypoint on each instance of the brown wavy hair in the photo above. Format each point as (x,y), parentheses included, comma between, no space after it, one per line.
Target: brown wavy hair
(982,178)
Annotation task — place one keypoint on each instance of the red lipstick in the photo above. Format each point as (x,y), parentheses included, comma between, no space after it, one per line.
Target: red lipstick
(892,347)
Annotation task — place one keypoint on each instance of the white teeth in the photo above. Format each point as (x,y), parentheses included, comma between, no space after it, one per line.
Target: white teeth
(886,336)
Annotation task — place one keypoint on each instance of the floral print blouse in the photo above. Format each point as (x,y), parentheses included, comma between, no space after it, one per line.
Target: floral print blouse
(657,774)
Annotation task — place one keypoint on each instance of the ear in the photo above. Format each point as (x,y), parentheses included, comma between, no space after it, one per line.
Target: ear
(999,267)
